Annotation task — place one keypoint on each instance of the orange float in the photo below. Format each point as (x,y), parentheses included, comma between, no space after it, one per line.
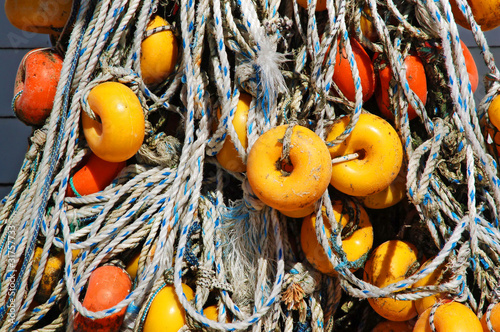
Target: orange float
(320,4)
(494,112)
(366,25)
(294,185)
(133,264)
(491,129)
(300,213)
(42,16)
(36,85)
(166,313)
(94,176)
(380,156)
(227,156)
(470,64)
(486,13)
(388,197)
(431,279)
(51,273)
(159,53)
(342,75)
(389,263)
(415,74)
(451,316)
(107,286)
(356,246)
(494,319)
(119,133)
(212,313)
(493,140)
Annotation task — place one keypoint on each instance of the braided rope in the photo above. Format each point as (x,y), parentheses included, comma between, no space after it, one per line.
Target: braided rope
(210,233)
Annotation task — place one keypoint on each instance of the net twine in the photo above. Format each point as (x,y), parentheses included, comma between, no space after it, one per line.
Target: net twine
(175,197)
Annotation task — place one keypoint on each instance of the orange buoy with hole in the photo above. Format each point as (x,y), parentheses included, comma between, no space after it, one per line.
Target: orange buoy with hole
(342,75)
(159,52)
(389,263)
(294,184)
(380,155)
(356,246)
(415,75)
(41,16)
(388,197)
(119,132)
(486,13)
(450,316)
(227,156)
(95,175)
(166,313)
(36,85)
(107,286)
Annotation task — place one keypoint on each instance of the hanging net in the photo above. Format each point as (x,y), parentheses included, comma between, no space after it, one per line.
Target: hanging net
(206,212)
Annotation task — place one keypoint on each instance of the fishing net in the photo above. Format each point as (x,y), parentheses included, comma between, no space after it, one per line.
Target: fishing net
(191,221)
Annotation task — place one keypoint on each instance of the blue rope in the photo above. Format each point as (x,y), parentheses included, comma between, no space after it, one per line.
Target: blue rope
(46,186)
(190,257)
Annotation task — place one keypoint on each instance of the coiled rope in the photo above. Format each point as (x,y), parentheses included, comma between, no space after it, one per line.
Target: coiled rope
(174,196)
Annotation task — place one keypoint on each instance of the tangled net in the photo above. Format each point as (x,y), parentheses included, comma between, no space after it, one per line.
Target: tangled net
(196,223)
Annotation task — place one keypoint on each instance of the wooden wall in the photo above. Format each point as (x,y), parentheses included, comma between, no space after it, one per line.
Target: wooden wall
(14,134)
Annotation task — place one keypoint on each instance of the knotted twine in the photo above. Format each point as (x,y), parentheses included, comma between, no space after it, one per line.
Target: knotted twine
(153,202)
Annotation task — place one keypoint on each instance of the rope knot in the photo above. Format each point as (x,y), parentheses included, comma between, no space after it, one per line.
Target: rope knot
(168,276)
(160,150)
(284,161)
(278,25)
(37,140)
(299,283)
(206,278)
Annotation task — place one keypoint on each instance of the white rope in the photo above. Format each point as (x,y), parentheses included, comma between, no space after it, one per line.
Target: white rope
(207,227)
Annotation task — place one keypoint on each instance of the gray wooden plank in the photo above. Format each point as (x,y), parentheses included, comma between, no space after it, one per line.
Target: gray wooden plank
(14,137)
(11,37)
(4,191)
(9,60)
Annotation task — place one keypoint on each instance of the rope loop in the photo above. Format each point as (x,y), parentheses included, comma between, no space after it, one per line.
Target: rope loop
(184,220)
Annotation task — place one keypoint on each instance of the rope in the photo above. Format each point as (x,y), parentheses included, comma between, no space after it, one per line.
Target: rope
(197,224)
